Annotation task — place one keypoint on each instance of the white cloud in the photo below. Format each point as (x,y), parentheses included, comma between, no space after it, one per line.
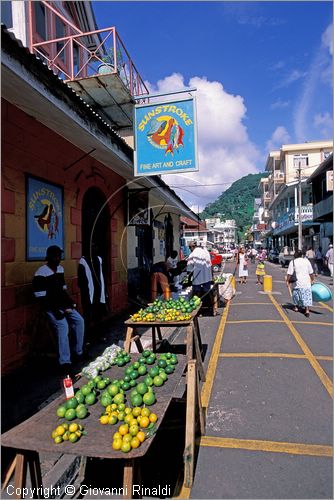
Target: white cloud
(224,149)
(292,77)
(279,136)
(318,72)
(324,123)
(327,39)
(279,104)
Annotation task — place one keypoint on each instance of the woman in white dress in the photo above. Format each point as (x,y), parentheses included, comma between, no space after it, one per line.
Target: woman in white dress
(243,265)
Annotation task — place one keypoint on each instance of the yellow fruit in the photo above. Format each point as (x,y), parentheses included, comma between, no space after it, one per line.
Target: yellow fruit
(127,438)
(127,411)
(141,436)
(73,427)
(66,436)
(127,419)
(60,430)
(135,442)
(136,411)
(58,439)
(65,426)
(117,444)
(54,434)
(104,419)
(78,433)
(153,417)
(145,412)
(117,435)
(145,422)
(112,419)
(108,409)
(123,429)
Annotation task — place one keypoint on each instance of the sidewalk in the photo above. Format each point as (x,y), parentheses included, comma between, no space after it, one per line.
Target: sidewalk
(269,399)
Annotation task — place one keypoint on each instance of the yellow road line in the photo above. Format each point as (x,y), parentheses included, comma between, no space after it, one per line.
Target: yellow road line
(210,374)
(269,446)
(322,323)
(252,304)
(306,350)
(326,306)
(270,355)
(235,322)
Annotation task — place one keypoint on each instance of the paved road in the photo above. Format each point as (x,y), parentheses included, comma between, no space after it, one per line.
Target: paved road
(269,399)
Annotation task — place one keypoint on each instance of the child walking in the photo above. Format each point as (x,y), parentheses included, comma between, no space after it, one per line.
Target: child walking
(260,271)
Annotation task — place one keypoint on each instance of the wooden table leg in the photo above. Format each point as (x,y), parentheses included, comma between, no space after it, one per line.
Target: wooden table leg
(9,473)
(35,474)
(154,342)
(198,357)
(128,478)
(159,333)
(128,339)
(198,333)
(190,342)
(189,450)
(20,473)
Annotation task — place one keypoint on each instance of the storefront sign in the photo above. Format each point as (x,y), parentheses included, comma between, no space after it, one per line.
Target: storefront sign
(165,138)
(329,180)
(44,217)
(138,210)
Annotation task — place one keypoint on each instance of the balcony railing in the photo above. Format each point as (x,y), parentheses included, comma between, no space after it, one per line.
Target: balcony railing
(89,54)
(291,218)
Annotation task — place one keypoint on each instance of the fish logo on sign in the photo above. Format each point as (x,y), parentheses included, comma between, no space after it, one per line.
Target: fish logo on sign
(165,133)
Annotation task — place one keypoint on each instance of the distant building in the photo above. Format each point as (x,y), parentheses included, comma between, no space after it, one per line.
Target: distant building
(322,197)
(193,231)
(222,232)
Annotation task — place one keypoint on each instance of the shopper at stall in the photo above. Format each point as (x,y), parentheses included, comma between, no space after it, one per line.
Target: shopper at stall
(159,279)
(199,263)
(302,293)
(310,255)
(50,289)
(329,259)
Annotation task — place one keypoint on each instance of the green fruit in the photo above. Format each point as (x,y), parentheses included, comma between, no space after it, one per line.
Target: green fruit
(133,393)
(150,360)
(120,362)
(142,370)
(61,410)
(134,374)
(163,375)
(132,383)
(169,369)
(97,378)
(128,370)
(119,398)
(174,360)
(85,389)
(101,384)
(81,412)
(146,354)
(149,398)
(127,378)
(142,360)
(91,383)
(106,380)
(79,397)
(154,371)
(158,381)
(142,388)
(113,389)
(126,386)
(148,380)
(106,400)
(90,399)
(136,400)
(70,414)
(162,363)
(136,365)
(72,403)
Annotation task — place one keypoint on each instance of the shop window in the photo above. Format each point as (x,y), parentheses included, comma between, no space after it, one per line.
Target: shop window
(40,20)
(300,161)
(6,14)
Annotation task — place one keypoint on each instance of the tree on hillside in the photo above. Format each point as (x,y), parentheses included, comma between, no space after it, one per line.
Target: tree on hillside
(237,202)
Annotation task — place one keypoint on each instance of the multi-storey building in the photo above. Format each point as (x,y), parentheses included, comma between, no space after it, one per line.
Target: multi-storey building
(221,232)
(281,196)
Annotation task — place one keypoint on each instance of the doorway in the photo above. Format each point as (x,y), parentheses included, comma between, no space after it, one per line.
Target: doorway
(169,236)
(95,225)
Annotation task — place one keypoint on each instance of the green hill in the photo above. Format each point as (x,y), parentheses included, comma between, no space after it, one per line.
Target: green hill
(237,202)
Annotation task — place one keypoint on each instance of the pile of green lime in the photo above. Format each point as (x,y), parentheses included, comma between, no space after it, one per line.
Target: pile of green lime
(113,394)
(122,358)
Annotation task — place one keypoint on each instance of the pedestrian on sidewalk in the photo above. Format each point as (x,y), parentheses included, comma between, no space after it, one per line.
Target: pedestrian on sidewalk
(199,263)
(50,289)
(260,269)
(310,255)
(329,259)
(319,261)
(302,293)
(242,262)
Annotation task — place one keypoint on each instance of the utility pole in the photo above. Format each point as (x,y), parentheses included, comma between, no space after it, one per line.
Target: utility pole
(300,225)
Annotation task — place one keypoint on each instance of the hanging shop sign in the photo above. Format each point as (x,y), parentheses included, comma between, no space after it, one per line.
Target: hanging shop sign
(165,138)
(138,209)
(44,214)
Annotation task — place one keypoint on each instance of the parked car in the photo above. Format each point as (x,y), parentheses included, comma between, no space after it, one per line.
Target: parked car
(227,255)
(216,261)
(273,255)
(286,254)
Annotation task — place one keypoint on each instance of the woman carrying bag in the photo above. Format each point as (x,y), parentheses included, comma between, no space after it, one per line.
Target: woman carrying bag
(301,274)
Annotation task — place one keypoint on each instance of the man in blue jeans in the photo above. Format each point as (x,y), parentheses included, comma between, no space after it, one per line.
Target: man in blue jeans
(50,289)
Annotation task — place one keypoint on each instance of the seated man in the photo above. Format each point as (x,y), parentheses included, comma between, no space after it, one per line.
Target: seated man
(50,289)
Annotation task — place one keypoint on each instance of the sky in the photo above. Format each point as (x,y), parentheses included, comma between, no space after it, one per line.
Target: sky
(262,70)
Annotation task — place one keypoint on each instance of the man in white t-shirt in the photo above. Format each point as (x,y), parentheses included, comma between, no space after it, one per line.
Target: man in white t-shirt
(329,259)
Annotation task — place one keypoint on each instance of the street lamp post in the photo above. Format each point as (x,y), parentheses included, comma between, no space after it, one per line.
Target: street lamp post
(300,224)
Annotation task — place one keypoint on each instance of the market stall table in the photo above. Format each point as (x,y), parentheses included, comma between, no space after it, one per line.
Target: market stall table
(34,435)
(193,340)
